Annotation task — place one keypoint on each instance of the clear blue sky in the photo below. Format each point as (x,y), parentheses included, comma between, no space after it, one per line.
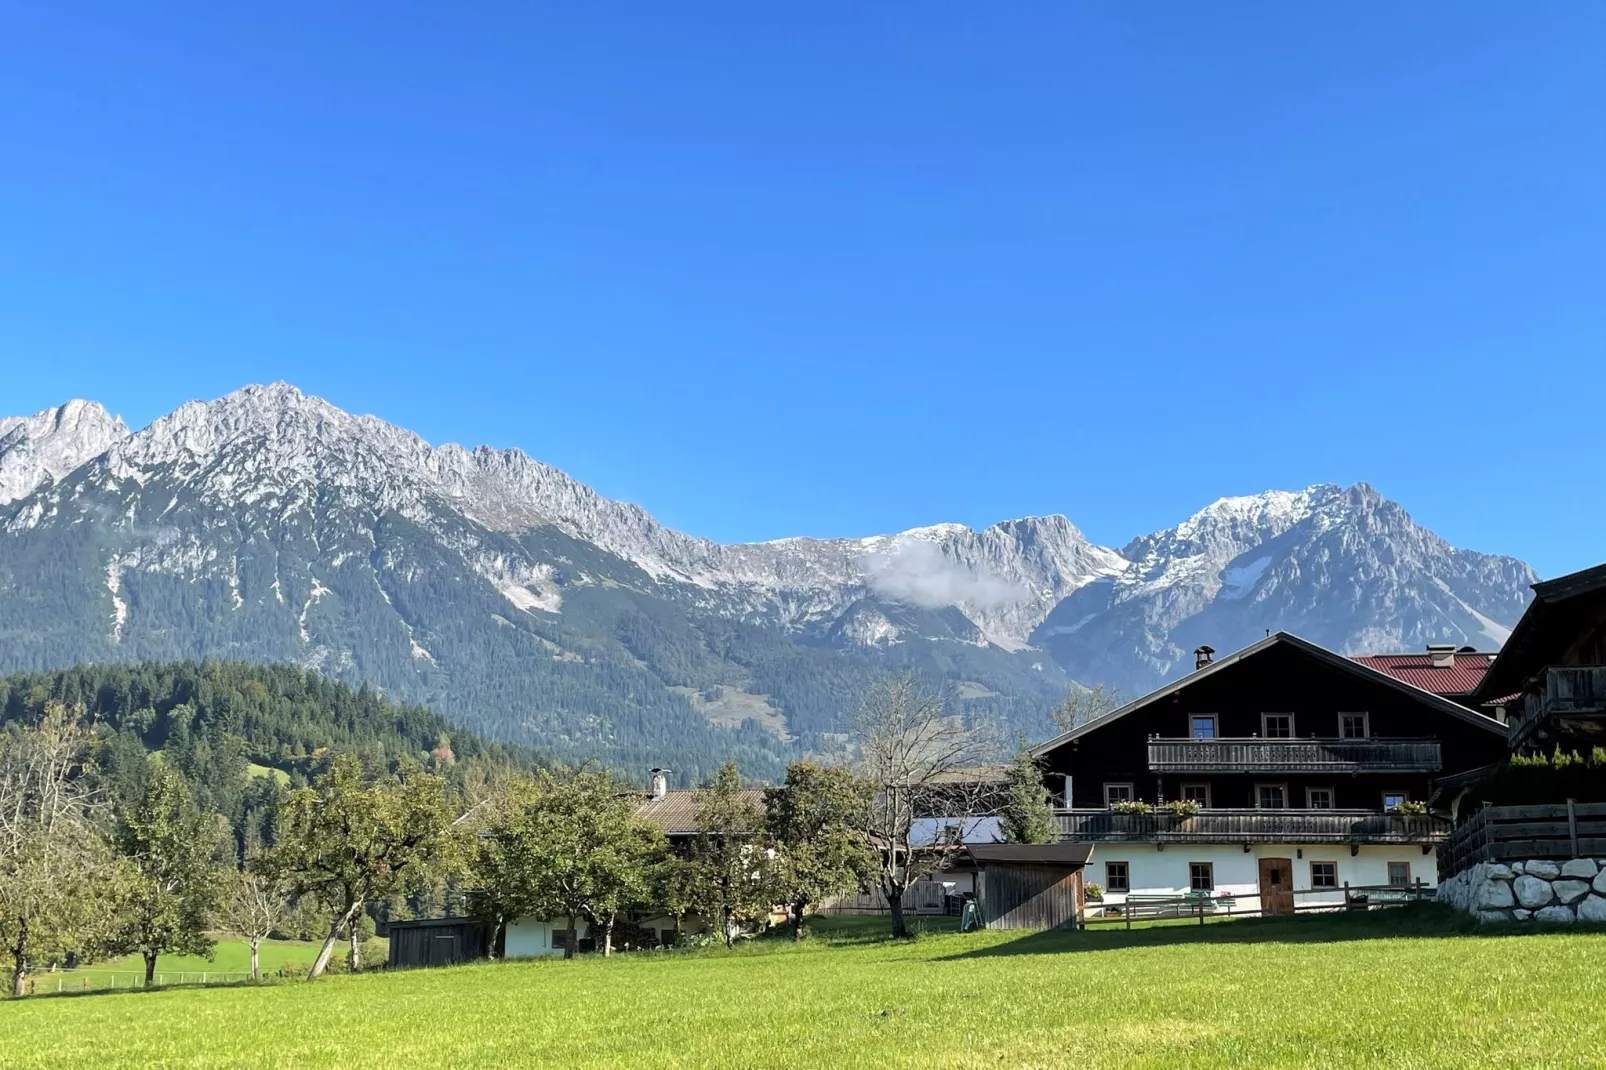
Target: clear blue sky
(847,268)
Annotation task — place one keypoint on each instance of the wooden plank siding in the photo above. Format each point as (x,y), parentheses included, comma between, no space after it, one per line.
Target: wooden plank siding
(1294,756)
(436,942)
(1028,896)
(1554,831)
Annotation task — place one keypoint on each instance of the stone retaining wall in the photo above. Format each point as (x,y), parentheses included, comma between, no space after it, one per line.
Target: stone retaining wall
(1536,890)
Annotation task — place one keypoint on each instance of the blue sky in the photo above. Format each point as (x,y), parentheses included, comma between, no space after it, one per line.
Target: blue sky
(846,268)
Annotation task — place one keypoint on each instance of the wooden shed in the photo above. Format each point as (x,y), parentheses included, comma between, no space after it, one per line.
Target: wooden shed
(436,941)
(1029,886)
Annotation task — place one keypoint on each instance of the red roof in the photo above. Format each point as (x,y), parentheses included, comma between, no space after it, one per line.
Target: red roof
(1418,670)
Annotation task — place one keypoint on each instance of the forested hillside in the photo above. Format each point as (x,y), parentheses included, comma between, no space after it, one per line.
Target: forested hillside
(242,733)
(271,527)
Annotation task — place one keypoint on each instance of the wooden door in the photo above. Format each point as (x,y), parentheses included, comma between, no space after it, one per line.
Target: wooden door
(1276,886)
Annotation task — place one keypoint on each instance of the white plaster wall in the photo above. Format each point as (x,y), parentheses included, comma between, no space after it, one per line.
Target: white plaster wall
(1165,872)
(532,937)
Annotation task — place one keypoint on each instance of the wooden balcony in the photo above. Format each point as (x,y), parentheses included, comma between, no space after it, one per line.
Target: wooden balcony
(1575,694)
(1573,690)
(1253,826)
(1294,756)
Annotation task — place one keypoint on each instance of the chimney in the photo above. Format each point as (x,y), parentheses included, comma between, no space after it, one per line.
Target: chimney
(660,783)
(1443,655)
(1202,657)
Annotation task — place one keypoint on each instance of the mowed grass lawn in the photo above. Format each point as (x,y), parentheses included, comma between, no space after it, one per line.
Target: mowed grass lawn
(1407,988)
(231,956)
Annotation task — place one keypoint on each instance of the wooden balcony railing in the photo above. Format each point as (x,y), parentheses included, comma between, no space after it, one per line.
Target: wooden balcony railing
(1578,689)
(1294,756)
(1253,826)
(1572,691)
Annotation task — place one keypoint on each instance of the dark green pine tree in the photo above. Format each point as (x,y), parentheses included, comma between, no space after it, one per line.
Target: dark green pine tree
(1027,816)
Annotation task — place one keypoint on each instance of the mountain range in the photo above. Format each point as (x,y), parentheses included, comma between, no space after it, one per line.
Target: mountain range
(269,525)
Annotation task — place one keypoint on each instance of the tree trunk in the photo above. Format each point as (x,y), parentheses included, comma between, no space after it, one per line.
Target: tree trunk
(900,930)
(321,963)
(19,957)
(607,937)
(150,968)
(353,955)
(572,941)
(730,926)
(797,920)
(256,968)
(496,932)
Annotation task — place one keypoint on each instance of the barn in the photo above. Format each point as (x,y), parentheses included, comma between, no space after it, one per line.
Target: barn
(436,941)
(1029,886)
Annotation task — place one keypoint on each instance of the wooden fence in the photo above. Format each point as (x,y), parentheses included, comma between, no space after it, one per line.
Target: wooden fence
(1248,904)
(1516,833)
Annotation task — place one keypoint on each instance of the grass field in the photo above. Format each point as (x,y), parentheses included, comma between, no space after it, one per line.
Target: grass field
(231,961)
(1409,988)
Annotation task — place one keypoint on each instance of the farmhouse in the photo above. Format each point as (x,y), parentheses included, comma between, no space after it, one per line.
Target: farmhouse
(673,811)
(1530,841)
(1278,774)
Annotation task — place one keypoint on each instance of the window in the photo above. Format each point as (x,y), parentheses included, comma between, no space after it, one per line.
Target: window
(1116,878)
(1197,793)
(1319,798)
(1277,725)
(1271,796)
(1399,874)
(1324,874)
(1201,877)
(1202,726)
(1391,799)
(1353,726)
(1116,793)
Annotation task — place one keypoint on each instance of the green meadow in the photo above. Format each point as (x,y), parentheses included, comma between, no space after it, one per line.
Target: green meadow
(1406,988)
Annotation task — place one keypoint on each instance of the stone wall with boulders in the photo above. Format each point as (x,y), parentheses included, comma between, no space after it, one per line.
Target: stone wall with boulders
(1536,890)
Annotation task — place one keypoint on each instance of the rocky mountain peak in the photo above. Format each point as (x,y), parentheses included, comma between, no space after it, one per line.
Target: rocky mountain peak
(40,449)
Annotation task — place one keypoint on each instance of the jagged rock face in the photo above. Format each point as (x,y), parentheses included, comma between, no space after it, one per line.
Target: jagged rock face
(40,449)
(271,525)
(1343,567)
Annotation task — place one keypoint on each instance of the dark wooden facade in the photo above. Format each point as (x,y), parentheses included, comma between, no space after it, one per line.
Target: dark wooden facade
(1410,738)
(1030,887)
(1552,671)
(436,941)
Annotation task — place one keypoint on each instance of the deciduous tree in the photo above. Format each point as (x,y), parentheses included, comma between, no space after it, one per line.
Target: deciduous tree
(56,867)
(1084,704)
(172,878)
(349,843)
(568,845)
(255,903)
(731,876)
(923,763)
(815,823)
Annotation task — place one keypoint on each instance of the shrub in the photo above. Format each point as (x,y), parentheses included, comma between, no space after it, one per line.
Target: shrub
(1093,890)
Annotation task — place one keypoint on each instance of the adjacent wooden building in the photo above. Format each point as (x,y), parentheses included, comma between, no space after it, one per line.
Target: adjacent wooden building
(1030,886)
(436,941)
